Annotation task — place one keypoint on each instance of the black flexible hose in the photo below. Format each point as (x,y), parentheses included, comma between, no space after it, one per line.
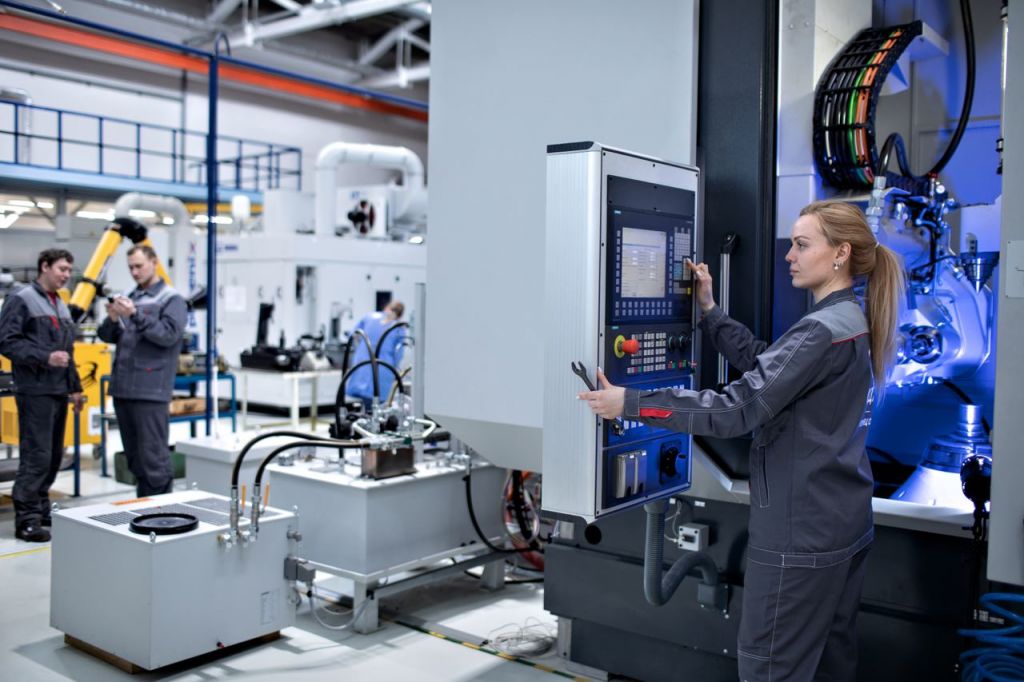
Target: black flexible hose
(965,110)
(894,141)
(657,589)
(263,436)
(386,365)
(315,442)
(339,397)
(380,341)
(348,353)
(372,360)
(480,532)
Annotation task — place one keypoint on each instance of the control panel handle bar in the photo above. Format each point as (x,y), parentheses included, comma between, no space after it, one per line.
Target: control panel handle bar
(729,244)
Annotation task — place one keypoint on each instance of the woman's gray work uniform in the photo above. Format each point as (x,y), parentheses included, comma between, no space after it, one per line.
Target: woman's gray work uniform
(810,482)
(142,384)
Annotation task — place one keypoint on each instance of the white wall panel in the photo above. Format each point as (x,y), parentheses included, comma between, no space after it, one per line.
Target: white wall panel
(506,81)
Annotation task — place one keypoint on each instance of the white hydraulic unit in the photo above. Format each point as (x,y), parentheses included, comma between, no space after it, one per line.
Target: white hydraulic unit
(153,600)
(374,531)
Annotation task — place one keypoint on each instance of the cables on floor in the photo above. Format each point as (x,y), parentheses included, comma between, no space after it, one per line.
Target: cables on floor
(533,638)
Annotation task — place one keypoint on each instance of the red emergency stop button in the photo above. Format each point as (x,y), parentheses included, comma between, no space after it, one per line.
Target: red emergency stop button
(629,346)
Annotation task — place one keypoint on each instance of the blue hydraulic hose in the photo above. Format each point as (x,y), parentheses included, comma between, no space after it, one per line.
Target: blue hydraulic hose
(1002,660)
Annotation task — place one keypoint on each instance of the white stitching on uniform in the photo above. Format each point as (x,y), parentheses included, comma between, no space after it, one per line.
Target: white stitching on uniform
(771,415)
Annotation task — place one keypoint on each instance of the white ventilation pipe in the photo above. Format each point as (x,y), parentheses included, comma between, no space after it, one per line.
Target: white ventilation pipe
(375,156)
(177,233)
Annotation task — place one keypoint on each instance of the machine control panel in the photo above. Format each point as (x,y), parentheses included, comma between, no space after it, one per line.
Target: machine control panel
(619,229)
(650,230)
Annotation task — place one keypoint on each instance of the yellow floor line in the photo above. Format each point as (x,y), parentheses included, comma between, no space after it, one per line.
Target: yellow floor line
(23,552)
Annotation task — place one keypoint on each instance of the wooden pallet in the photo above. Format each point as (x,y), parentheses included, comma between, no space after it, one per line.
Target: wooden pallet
(133,669)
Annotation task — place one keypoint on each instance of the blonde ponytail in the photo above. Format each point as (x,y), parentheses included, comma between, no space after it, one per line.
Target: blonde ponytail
(880,266)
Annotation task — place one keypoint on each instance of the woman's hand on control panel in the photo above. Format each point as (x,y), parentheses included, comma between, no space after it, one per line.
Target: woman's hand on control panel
(705,292)
(608,401)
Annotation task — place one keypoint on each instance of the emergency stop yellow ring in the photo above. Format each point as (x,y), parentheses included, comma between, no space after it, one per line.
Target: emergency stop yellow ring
(617,346)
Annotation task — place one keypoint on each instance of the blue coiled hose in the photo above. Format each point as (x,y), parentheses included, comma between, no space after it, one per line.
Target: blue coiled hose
(1002,660)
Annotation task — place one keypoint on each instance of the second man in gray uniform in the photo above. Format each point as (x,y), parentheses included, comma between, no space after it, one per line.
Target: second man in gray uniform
(147,326)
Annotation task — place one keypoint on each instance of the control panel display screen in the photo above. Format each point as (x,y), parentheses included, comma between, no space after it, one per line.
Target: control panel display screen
(649,280)
(643,263)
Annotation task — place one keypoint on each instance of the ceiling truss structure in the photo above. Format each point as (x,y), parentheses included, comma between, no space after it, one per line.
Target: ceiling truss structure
(388,31)
(297,18)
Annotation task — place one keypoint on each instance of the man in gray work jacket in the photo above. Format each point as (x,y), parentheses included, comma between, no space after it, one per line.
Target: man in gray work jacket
(147,326)
(38,336)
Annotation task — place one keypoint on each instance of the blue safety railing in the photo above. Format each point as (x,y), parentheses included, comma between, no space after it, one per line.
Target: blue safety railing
(60,139)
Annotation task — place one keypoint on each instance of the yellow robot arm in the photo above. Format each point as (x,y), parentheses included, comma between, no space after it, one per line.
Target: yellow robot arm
(87,288)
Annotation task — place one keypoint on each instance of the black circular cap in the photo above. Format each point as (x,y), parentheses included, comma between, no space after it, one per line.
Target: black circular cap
(163,524)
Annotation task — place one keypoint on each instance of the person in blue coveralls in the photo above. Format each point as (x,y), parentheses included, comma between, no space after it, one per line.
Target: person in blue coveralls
(374,325)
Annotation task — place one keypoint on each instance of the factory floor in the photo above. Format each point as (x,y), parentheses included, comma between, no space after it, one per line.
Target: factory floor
(459,613)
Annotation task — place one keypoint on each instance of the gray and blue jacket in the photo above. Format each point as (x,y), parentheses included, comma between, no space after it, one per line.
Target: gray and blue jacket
(31,327)
(804,397)
(148,344)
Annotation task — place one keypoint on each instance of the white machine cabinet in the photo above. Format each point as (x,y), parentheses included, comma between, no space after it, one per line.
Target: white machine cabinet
(365,526)
(157,600)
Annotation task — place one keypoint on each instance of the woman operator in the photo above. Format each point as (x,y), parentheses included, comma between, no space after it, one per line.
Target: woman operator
(804,397)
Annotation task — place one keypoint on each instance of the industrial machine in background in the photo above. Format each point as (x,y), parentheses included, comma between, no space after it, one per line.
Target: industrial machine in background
(319,274)
(308,354)
(392,211)
(769,145)
(945,350)
(945,355)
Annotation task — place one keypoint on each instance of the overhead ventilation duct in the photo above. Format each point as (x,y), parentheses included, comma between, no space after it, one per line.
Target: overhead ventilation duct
(410,196)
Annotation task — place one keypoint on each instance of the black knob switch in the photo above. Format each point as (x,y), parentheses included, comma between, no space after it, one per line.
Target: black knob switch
(668,462)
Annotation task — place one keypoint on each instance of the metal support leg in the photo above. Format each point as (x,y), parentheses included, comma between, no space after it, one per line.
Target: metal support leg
(245,400)
(77,419)
(493,578)
(313,407)
(103,427)
(368,620)
(294,410)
